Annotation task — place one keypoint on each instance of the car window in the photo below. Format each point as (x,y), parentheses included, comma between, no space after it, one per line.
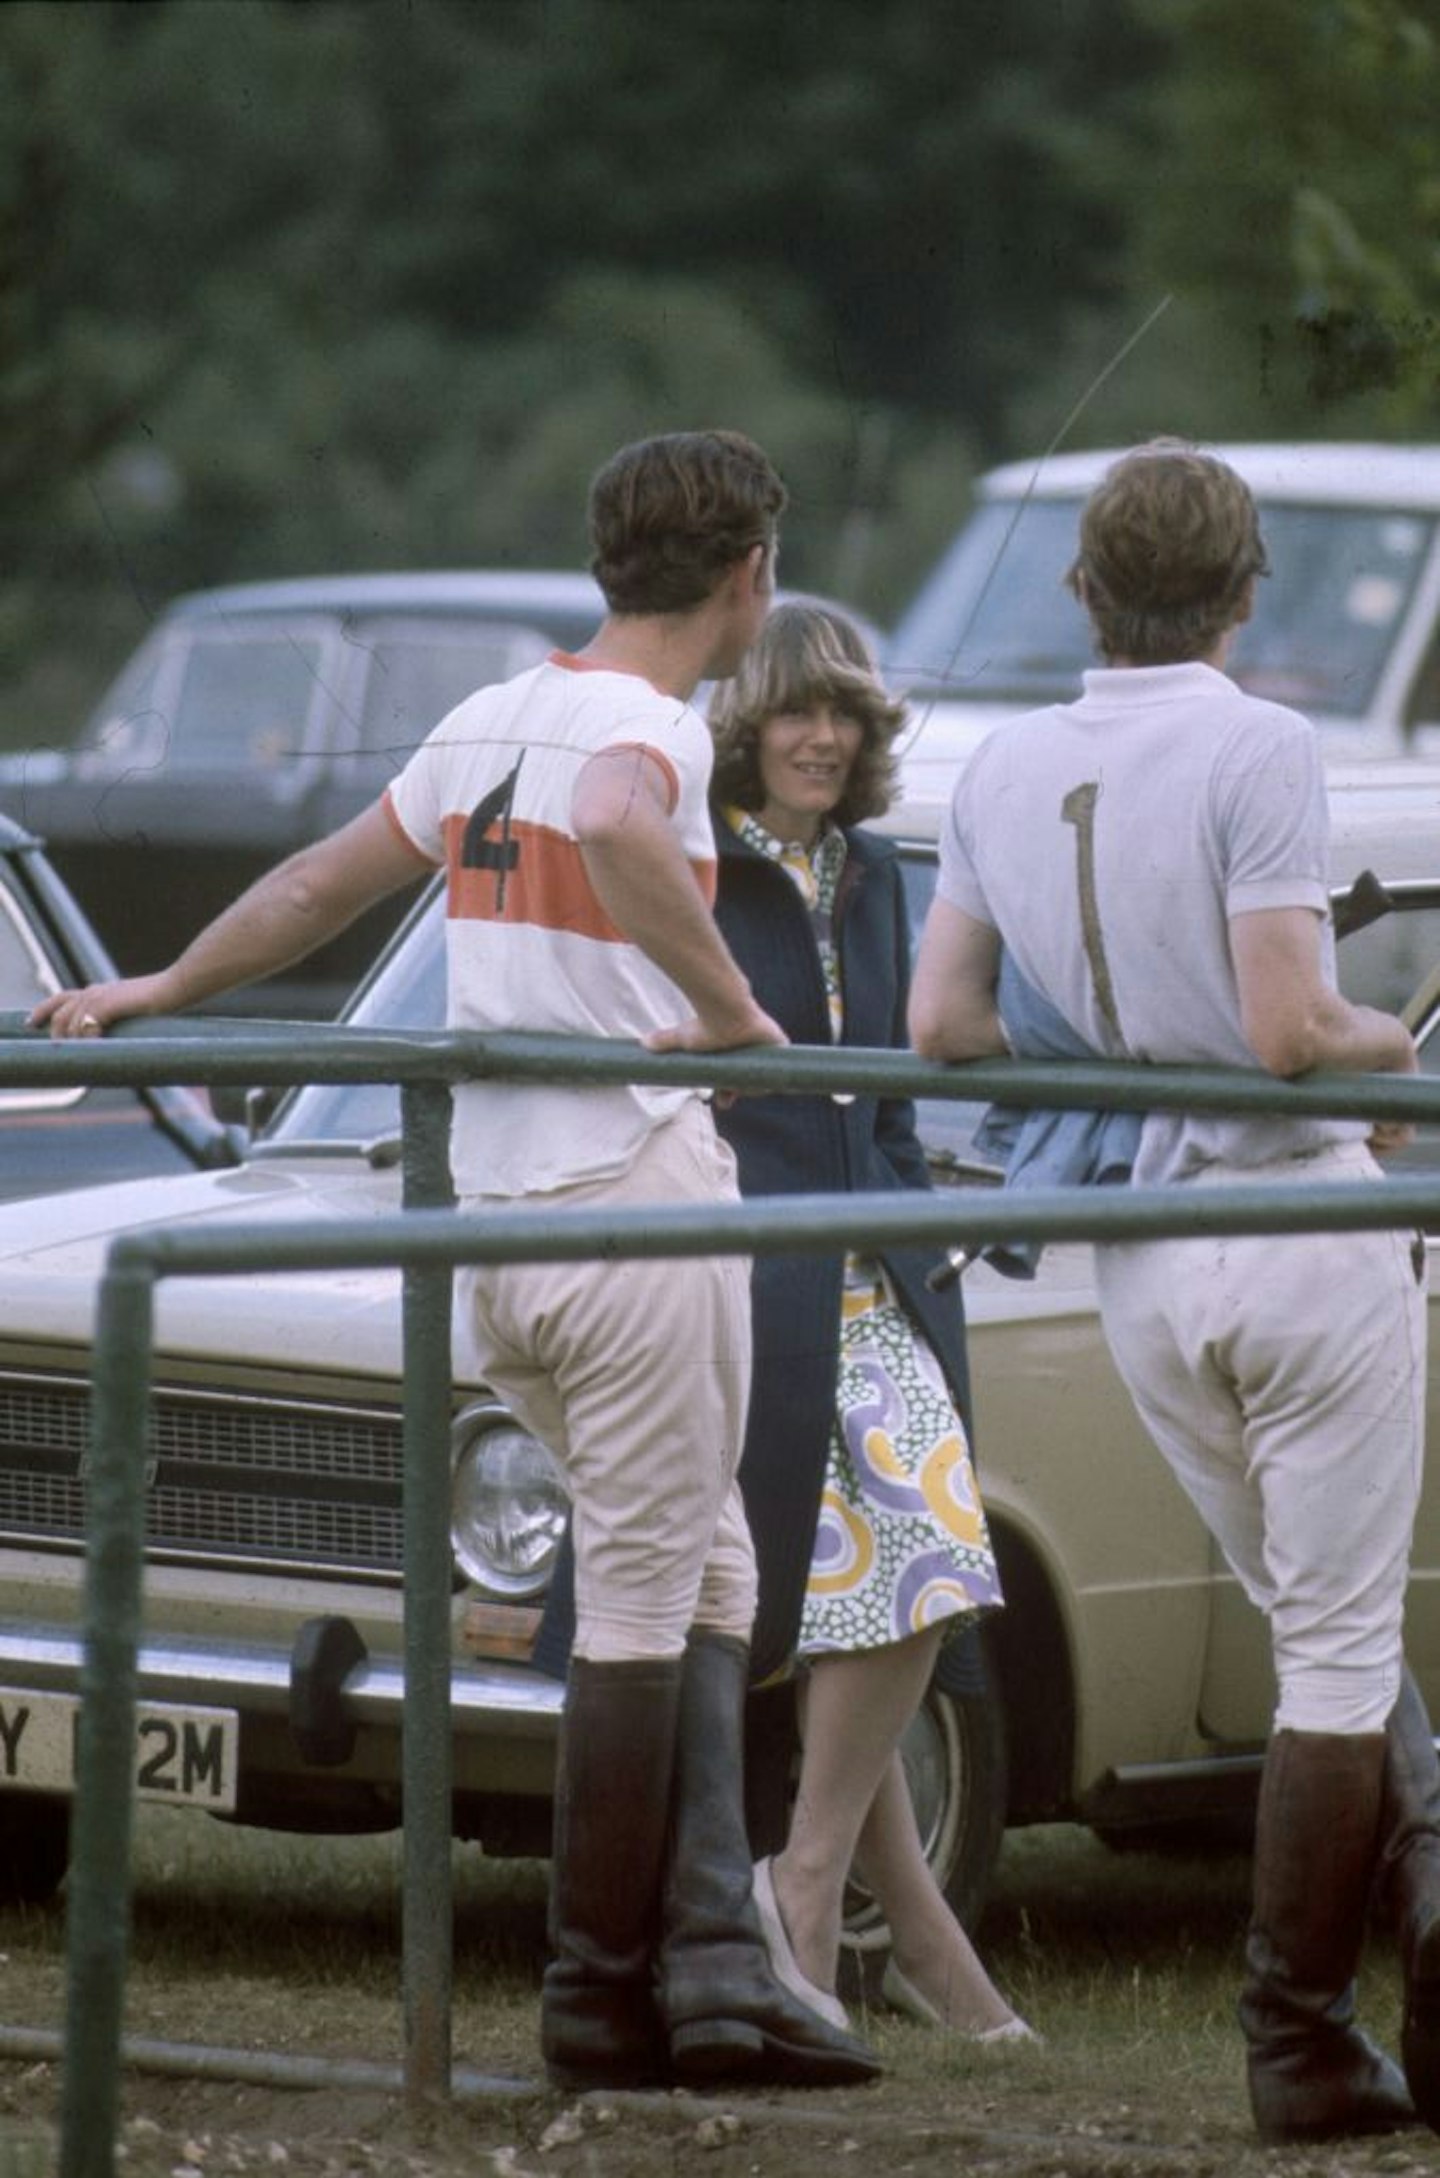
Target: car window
(26,975)
(246,696)
(995,622)
(1325,616)
(416,672)
(406,991)
(210,697)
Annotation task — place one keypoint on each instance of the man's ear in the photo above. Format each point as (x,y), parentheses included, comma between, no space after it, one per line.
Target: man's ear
(760,569)
(1244,605)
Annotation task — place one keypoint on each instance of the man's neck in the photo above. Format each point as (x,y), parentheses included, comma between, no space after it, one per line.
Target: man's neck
(1218,656)
(667,649)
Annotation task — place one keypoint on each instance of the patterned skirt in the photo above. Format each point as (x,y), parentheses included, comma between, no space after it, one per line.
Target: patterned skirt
(902,1542)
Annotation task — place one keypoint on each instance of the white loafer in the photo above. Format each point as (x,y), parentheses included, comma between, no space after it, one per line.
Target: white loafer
(783,1963)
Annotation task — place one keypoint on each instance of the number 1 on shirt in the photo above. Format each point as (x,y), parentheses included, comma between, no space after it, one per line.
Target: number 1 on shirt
(1078,808)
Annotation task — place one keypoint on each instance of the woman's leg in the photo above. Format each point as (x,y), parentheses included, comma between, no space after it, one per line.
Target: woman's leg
(854,1709)
(929,1946)
(852,1804)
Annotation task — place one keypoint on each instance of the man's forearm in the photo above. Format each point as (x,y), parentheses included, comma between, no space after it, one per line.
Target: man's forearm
(953,1012)
(277,922)
(1348,1039)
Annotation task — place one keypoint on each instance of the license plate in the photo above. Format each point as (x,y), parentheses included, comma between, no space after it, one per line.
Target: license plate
(182,1754)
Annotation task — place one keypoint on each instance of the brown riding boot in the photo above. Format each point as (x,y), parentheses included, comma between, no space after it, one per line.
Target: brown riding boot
(1410,1886)
(1312,2073)
(727,2015)
(599,2025)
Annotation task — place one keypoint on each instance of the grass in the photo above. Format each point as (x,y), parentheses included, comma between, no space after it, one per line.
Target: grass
(1128,1963)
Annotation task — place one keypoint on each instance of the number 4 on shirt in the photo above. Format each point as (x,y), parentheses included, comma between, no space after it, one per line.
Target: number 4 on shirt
(477,850)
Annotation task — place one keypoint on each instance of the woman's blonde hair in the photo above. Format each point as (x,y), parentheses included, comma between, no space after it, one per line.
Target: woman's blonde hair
(807,654)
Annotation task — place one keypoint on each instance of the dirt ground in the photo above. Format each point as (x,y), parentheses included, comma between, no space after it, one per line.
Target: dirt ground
(262,1966)
(192,2129)
(1011,2117)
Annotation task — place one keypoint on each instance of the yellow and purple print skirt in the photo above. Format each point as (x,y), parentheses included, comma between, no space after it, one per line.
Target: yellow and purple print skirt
(902,1542)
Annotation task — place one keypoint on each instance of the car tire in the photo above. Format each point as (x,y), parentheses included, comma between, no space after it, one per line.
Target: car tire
(954,1755)
(34,1847)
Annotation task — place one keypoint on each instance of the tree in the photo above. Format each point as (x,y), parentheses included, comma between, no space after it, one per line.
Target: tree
(1288,206)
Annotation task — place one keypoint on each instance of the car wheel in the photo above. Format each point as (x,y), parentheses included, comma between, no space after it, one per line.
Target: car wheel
(34,1847)
(954,1755)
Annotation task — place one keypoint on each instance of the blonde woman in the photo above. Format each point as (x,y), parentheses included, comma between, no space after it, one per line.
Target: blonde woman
(856,1473)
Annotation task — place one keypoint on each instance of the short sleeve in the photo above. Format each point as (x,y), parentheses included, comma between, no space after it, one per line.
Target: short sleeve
(413,799)
(1274,822)
(957,880)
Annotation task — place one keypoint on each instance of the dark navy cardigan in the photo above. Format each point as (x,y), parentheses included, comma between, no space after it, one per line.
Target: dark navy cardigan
(811,1144)
(808,1145)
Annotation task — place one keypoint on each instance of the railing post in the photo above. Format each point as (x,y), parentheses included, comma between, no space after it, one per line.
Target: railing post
(428,1916)
(98,1917)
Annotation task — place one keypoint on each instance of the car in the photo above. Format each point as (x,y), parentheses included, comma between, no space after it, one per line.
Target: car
(1346,626)
(1131,1679)
(52,1139)
(259,716)
(256,717)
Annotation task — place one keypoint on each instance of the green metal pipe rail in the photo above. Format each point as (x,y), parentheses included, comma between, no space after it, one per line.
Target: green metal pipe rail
(427,1239)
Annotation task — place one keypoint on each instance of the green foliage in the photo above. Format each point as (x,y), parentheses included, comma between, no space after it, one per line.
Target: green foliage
(1294,223)
(368,283)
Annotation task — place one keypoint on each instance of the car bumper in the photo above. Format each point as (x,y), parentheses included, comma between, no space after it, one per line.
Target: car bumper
(484,1695)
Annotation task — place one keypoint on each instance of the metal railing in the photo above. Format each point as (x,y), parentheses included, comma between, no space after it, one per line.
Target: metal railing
(426,1242)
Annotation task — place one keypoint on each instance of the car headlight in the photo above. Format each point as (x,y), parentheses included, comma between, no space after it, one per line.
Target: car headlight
(508,1505)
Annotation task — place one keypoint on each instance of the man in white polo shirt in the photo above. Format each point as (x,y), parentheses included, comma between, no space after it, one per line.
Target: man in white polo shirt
(568,811)
(1153,859)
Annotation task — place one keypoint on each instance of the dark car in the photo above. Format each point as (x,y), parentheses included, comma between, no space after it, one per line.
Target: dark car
(255,718)
(62,1138)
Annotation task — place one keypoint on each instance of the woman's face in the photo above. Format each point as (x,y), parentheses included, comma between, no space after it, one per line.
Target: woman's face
(805,759)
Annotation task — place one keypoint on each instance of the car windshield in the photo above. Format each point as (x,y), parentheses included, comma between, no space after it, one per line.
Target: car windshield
(995,622)
(419,670)
(210,697)
(407,991)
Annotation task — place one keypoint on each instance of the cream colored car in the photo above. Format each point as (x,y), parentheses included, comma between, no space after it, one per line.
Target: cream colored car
(1131,1683)
(1346,627)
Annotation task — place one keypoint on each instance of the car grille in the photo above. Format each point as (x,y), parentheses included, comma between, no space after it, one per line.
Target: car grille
(261,1482)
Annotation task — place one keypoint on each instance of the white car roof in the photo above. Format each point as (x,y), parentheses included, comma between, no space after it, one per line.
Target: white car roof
(1324,472)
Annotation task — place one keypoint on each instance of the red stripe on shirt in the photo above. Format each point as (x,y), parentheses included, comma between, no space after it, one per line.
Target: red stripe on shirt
(546,885)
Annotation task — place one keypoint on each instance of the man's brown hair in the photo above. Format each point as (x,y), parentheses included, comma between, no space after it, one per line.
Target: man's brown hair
(1169,546)
(669,516)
